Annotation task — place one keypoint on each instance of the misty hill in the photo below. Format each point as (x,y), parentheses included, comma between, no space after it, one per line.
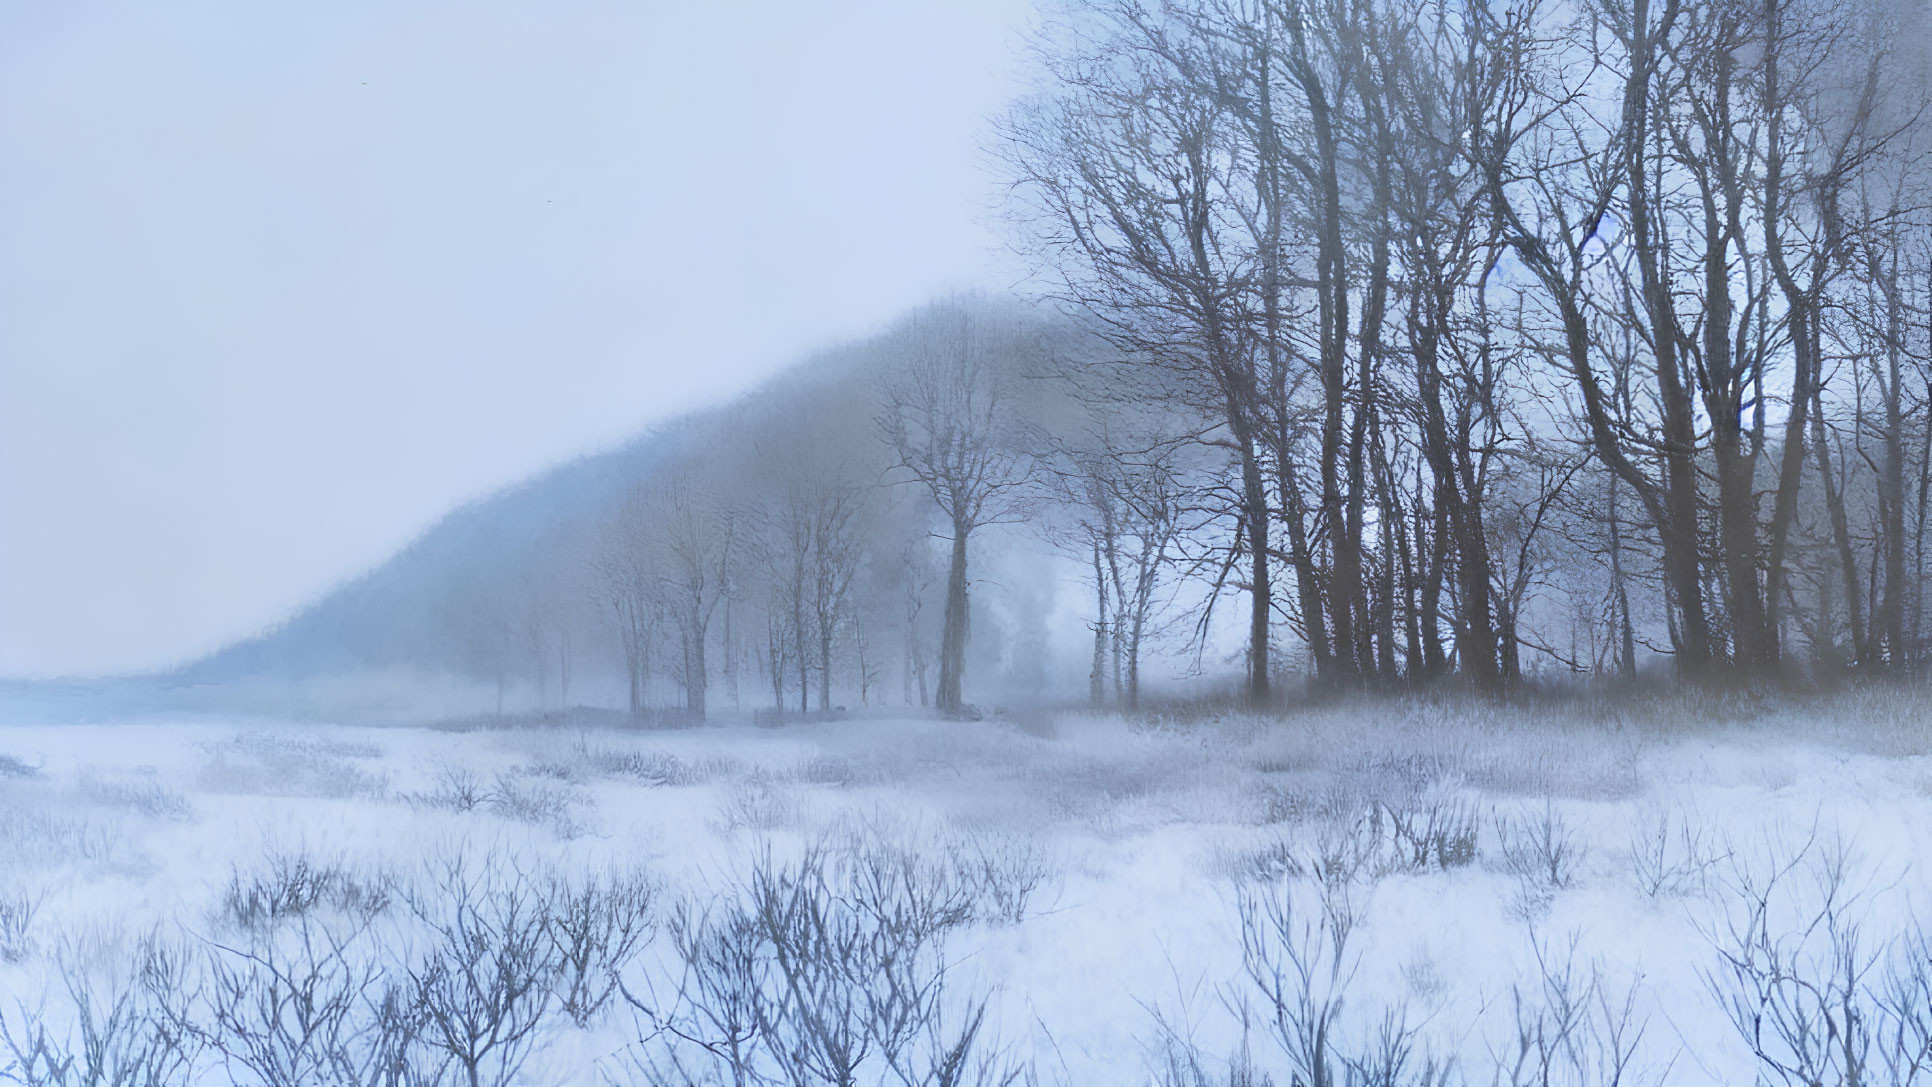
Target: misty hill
(394,614)
(515,591)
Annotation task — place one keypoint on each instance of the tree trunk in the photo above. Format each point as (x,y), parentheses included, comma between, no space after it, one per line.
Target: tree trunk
(1677,528)
(1737,513)
(1308,581)
(1841,541)
(1891,483)
(1918,542)
(775,646)
(1434,660)
(1097,676)
(1626,632)
(798,646)
(1450,461)
(1390,531)
(952,643)
(1408,548)
(1260,594)
(824,667)
(1737,521)
(731,658)
(695,678)
(1784,504)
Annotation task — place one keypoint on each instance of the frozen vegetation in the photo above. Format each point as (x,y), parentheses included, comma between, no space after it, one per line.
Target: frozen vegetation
(1667,890)
(1468,392)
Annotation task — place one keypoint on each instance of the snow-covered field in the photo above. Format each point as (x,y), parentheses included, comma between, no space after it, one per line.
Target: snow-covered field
(1403,892)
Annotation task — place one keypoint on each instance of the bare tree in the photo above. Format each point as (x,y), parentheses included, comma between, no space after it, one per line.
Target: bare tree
(947,416)
(626,585)
(1129,497)
(837,550)
(1123,171)
(694,531)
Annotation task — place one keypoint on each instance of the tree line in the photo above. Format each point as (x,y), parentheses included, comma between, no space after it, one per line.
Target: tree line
(1587,334)
(807,547)
(1393,342)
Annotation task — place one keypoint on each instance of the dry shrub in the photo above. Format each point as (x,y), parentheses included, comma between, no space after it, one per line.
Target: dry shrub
(292,885)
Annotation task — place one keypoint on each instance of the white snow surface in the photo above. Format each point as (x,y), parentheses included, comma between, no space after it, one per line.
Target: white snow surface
(1148,831)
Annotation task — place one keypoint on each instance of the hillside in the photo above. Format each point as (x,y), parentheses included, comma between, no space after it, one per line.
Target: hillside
(391,615)
(512,593)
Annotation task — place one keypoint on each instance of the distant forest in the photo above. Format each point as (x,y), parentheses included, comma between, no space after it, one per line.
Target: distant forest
(1437,343)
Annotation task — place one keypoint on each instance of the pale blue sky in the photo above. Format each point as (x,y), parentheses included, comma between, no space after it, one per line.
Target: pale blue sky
(280,283)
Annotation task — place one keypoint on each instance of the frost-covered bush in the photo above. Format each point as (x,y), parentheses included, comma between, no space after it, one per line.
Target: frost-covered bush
(1279,857)
(1568,1027)
(829,969)
(598,924)
(655,767)
(119,1018)
(12,766)
(482,979)
(18,908)
(1174,1059)
(538,803)
(1335,843)
(1270,803)
(841,771)
(761,802)
(965,876)
(35,837)
(309,1002)
(650,765)
(553,769)
(141,794)
(312,982)
(1812,989)
(455,788)
(1671,854)
(1002,873)
(1538,847)
(291,885)
(1431,831)
(1299,960)
(1351,844)
(270,764)
(272,746)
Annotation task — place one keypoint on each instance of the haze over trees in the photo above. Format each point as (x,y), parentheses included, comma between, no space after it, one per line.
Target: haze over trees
(810,542)
(1544,333)
(1431,430)
(1383,343)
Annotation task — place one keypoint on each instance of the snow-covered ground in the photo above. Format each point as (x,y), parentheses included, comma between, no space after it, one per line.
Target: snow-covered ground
(1516,895)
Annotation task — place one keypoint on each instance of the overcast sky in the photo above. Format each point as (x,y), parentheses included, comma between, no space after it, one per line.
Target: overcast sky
(281,283)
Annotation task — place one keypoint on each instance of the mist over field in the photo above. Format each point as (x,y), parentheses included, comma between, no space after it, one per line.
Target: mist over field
(1367,543)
